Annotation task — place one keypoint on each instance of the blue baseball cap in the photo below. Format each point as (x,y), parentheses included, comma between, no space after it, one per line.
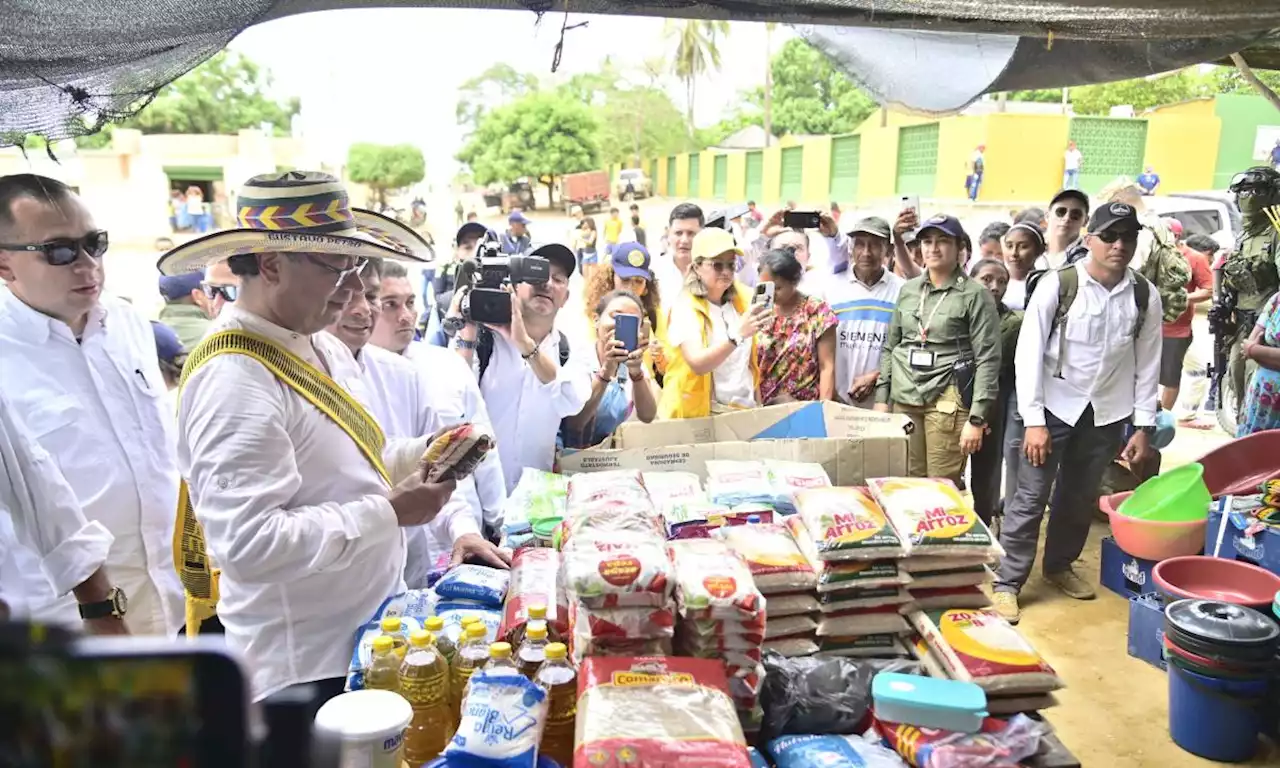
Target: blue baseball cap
(947,225)
(517,217)
(631,260)
(174,287)
(168,347)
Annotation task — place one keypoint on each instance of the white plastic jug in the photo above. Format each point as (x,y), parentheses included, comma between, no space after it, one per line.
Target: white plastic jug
(371,726)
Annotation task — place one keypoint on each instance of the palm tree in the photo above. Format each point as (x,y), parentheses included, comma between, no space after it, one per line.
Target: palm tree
(697,52)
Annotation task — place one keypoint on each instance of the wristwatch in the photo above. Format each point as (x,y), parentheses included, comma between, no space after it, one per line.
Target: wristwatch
(977,421)
(115,605)
(461,343)
(1148,430)
(452,325)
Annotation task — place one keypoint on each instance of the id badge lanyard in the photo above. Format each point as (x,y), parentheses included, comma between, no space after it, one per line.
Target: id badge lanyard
(920,357)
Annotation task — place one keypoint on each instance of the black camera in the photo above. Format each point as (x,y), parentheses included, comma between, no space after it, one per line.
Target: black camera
(490,276)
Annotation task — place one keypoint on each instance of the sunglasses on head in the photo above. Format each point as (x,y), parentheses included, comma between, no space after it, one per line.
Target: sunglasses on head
(227,292)
(66,250)
(1063,212)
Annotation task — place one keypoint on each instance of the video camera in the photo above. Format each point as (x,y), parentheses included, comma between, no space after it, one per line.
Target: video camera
(489,277)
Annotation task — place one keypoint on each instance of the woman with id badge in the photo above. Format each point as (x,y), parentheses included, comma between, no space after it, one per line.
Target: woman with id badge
(941,360)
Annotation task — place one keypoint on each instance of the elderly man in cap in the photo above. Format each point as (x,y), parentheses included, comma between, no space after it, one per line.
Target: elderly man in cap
(516,241)
(290,482)
(1088,362)
(863,301)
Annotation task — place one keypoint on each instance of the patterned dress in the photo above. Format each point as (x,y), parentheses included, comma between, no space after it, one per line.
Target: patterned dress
(1262,398)
(787,351)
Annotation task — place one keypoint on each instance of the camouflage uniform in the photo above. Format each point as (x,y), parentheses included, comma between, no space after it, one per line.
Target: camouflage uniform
(1252,271)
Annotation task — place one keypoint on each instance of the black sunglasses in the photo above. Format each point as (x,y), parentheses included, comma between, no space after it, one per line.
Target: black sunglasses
(64,251)
(227,292)
(1110,236)
(1063,212)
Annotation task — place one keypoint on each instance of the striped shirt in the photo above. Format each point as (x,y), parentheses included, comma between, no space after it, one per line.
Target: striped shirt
(863,313)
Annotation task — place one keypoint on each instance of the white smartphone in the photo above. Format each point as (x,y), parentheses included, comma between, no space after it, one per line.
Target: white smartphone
(910,202)
(764,294)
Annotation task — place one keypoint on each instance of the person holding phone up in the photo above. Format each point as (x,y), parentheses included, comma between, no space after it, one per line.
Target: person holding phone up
(796,349)
(941,360)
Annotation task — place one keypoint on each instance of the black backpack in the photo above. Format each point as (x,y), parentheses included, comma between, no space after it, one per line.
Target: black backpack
(484,350)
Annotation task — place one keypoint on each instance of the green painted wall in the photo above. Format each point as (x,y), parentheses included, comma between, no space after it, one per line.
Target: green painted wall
(1241,116)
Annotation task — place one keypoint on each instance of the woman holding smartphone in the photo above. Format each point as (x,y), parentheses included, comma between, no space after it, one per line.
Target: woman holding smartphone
(622,334)
(796,349)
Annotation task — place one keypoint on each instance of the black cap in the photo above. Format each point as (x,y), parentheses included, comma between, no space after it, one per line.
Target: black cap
(1118,216)
(557,253)
(1074,194)
(947,225)
(471,229)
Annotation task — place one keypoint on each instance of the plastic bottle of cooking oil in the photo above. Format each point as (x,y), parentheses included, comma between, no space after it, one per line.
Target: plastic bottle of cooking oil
(501,659)
(384,669)
(560,679)
(472,654)
(424,682)
(447,648)
(393,628)
(533,651)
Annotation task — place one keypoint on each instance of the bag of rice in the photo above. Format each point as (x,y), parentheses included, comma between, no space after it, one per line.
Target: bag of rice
(847,524)
(502,720)
(978,646)
(872,597)
(537,496)
(925,563)
(617,489)
(949,597)
(790,478)
(932,517)
(814,751)
(955,577)
(535,580)
(617,570)
(712,582)
(668,490)
(614,647)
(479,583)
(776,563)
(621,623)
(793,605)
(864,621)
(883,645)
(790,625)
(656,712)
(834,575)
(734,483)
(792,647)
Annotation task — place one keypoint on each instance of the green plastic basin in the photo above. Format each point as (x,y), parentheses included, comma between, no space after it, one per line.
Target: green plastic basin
(1178,495)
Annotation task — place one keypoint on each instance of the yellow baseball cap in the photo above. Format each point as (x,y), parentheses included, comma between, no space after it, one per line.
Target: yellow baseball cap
(712,242)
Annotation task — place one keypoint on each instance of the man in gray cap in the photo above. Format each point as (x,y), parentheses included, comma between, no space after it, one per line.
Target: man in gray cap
(185,309)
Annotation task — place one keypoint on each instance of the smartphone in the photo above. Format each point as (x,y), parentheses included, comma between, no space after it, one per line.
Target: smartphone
(627,330)
(801,219)
(764,294)
(911,202)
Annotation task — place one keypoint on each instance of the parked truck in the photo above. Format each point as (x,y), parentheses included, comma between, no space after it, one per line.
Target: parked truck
(589,189)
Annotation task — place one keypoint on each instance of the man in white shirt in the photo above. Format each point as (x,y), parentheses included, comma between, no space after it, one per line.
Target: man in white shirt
(530,376)
(299,497)
(684,224)
(455,393)
(864,306)
(54,550)
(82,370)
(1076,394)
(1071,164)
(1067,213)
(402,401)
(818,265)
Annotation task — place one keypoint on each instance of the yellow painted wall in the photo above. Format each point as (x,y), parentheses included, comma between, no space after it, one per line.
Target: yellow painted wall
(1168,138)
(877,174)
(817,171)
(707,170)
(958,137)
(737,176)
(772,182)
(660,183)
(682,174)
(1024,157)
(1197,108)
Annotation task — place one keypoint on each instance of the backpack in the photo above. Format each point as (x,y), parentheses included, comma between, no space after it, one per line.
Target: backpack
(1167,269)
(484,350)
(1068,286)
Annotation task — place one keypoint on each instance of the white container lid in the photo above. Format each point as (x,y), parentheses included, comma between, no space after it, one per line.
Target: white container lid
(364,715)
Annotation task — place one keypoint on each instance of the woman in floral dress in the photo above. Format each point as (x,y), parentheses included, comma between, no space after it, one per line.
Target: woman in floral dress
(796,352)
(1262,398)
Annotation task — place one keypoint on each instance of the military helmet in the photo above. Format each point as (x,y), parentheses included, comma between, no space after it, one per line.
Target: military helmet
(1263,176)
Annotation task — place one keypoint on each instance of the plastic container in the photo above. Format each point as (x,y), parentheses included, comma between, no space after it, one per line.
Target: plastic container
(544,531)
(1215,578)
(1214,718)
(927,702)
(370,725)
(1155,539)
(1178,495)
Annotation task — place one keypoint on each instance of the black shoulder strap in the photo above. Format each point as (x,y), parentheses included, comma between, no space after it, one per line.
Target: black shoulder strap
(484,350)
(564,350)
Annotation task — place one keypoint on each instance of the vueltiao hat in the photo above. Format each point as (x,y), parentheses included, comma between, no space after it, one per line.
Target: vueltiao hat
(299,212)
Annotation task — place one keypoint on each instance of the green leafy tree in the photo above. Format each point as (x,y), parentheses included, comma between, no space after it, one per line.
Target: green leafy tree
(636,121)
(385,168)
(543,135)
(697,52)
(810,96)
(1148,92)
(499,84)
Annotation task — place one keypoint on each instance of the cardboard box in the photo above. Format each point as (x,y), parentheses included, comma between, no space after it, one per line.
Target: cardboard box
(1123,573)
(1222,539)
(850,443)
(1146,629)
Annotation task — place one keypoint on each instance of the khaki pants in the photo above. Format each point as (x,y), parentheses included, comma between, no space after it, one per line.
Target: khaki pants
(933,448)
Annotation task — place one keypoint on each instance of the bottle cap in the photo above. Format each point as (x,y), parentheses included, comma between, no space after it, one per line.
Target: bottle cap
(421,638)
(537,630)
(391,624)
(434,623)
(500,651)
(537,612)
(477,630)
(468,620)
(753,519)
(382,644)
(557,651)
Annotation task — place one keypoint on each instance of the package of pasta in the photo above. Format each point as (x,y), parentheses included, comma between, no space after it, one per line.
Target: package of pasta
(656,712)
(455,452)
(864,621)
(978,646)
(535,580)
(618,489)
(618,571)
(847,524)
(673,489)
(932,517)
(621,623)
(871,597)
(885,645)
(776,562)
(713,582)
(790,478)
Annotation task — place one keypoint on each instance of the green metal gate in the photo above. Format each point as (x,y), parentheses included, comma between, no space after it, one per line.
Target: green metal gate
(720,184)
(1111,147)
(918,159)
(793,173)
(671,176)
(846,157)
(755,175)
(653,175)
(695,176)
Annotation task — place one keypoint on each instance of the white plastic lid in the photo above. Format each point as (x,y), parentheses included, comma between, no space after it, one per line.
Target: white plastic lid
(364,715)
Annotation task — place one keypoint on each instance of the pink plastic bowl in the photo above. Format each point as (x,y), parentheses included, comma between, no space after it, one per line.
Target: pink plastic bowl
(1213,578)
(1152,539)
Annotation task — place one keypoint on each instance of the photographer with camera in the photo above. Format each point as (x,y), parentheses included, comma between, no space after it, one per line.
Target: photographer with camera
(502,322)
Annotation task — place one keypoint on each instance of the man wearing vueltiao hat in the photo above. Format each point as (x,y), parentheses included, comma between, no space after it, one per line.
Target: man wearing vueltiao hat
(290,483)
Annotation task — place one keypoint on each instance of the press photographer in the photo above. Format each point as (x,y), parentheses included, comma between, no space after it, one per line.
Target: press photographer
(502,321)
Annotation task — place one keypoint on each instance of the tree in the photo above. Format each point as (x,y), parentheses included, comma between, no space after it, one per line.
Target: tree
(543,135)
(697,52)
(636,121)
(809,95)
(497,85)
(385,168)
(1158,90)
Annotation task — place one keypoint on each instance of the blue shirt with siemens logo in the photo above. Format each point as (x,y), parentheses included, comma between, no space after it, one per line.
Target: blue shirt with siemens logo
(863,313)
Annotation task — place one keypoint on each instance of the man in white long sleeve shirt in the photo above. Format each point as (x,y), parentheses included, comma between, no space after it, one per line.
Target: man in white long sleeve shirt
(1076,394)
(300,498)
(53,550)
(82,370)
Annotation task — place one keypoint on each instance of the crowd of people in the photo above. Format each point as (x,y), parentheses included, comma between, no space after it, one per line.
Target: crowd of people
(284,413)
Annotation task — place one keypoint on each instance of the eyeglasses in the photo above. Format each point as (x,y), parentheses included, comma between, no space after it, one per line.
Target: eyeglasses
(64,251)
(227,292)
(720,266)
(1110,236)
(1063,212)
(342,274)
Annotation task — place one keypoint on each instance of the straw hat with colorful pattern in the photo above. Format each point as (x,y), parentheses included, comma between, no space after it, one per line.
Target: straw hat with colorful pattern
(299,212)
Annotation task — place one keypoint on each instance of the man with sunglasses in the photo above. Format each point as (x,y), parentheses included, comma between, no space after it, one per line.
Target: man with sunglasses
(81,369)
(220,287)
(1067,213)
(1087,369)
(185,307)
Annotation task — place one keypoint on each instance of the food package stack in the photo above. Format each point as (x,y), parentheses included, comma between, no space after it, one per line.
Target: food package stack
(770,484)
(949,548)
(861,589)
(978,646)
(617,574)
(537,496)
(721,615)
(784,576)
(535,580)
